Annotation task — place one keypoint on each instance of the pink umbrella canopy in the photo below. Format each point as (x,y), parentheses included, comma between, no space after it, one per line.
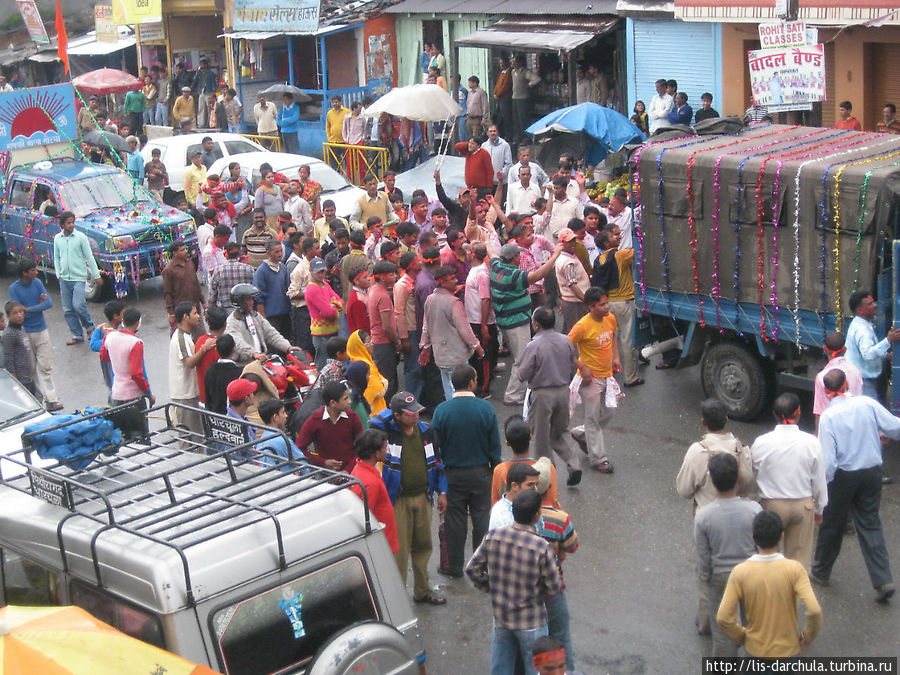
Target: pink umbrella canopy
(106,81)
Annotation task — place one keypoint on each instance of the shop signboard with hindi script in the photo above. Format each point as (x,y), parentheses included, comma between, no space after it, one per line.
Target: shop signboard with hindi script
(152,32)
(33,21)
(296,16)
(794,76)
(131,12)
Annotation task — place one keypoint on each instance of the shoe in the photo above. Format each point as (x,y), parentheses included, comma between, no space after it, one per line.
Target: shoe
(501,365)
(819,581)
(884,592)
(511,403)
(604,466)
(431,599)
(53,407)
(449,573)
(638,382)
(485,396)
(574,478)
(887,480)
(74,341)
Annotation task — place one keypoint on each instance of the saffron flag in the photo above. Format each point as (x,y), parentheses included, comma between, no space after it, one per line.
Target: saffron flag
(62,40)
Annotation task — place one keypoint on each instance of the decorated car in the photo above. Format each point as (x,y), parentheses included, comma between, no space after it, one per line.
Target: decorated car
(129,232)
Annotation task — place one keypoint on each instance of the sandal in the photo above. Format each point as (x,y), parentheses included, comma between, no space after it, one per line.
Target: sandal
(664,366)
(636,383)
(74,341)
(432,599)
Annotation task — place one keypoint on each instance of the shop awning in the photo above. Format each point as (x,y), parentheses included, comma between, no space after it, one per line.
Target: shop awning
(44,57)
(547,34)
(561,8)
(814,12)
(87,45)
(265,35)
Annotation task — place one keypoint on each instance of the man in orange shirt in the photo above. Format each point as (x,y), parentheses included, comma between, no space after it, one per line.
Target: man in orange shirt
(595,337)
(371,448)
(846,120)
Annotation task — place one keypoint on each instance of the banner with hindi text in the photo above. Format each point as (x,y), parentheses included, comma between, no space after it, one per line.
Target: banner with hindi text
(296,16)
(37,116)
(130,12)
(790,76)
(33,21)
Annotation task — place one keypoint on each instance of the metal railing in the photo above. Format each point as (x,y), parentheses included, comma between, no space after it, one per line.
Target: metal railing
(272,143)
(356,161)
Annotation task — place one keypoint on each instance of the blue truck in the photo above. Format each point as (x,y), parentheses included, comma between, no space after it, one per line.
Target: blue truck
(128,231)
(748,245)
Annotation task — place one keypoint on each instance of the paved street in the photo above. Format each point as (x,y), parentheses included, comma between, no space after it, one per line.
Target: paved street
(630,585)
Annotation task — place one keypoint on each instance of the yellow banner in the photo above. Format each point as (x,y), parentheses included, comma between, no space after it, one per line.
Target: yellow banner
(136,11)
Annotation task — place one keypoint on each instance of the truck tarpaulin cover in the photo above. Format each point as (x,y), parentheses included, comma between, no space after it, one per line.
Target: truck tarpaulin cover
(761,223)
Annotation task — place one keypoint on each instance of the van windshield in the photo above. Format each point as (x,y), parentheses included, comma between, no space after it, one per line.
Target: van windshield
(286,625)
(87,195)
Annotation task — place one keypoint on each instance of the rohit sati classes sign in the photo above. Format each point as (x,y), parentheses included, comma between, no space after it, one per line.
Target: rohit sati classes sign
(276,15)
(786,34)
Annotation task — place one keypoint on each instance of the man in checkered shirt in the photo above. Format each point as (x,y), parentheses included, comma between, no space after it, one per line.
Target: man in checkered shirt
(227,276)
(518,568)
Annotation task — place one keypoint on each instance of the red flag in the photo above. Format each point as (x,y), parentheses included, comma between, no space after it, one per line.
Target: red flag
(62,40)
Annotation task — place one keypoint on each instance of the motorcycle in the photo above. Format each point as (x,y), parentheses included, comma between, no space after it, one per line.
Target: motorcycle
(291,377)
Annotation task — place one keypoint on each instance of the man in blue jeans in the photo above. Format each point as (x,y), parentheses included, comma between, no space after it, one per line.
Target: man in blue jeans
(518,568)
(74,263)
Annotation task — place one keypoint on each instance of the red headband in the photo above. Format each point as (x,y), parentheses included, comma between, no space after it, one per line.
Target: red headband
(544,658)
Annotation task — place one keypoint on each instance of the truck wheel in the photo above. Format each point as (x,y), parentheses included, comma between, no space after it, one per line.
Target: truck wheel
(737,377)
(94,292)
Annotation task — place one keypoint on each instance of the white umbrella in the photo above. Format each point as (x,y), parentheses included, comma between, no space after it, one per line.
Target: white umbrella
(418,102)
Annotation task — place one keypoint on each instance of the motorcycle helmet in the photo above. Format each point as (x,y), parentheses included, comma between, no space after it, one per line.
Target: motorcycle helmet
(240,292)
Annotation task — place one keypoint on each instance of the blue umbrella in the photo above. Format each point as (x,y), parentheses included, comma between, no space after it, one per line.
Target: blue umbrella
(605,128)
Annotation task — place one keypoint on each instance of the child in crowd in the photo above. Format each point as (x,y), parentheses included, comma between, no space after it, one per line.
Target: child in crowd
(17,357)
(113,311)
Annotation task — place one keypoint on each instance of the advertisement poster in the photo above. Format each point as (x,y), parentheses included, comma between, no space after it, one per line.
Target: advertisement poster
(33,21)
(37,116)
(129,12)
(104,25)
(780,77)
(276,15)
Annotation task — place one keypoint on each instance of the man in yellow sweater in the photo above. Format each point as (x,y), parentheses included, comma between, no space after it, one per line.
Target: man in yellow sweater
(769,585)
(334,121)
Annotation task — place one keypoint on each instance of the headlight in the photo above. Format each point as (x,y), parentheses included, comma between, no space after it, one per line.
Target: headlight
(120,243)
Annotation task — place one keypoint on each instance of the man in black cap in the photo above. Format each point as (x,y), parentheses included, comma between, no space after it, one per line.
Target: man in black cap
(412,473)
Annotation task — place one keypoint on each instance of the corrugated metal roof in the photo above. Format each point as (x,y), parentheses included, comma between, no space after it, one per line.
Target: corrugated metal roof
(539,33)
(510,7)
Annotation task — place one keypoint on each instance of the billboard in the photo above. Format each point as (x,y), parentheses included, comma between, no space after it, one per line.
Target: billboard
(37,116)
(295,16)
(791,76)
(132,12)
(33,21)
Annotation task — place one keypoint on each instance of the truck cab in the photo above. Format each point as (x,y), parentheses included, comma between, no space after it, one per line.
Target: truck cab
(210,546)
(128,232)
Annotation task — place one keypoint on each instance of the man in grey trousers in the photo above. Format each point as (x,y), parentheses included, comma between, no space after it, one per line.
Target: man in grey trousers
(548,366)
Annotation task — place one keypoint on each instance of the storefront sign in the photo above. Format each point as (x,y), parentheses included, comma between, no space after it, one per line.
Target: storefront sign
(37,116)
(152,32)
(33,21)
(782,34)
(277,15)
(129,12)
(787,76)
(104,25)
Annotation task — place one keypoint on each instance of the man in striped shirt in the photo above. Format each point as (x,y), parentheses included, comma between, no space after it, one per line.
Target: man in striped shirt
(512,306)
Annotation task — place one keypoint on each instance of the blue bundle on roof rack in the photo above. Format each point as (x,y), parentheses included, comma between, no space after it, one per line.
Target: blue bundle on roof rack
(81,439)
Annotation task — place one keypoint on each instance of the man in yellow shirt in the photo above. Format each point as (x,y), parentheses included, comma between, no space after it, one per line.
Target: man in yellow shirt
(769,586)
(598,358)
(334,120)
(183,110)
(194,177)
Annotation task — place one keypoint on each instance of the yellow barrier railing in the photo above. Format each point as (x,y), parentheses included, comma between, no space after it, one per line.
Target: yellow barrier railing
(356,161)
(272,143)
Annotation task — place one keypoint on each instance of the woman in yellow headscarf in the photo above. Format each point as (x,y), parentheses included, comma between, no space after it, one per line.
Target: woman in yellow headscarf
(358,346)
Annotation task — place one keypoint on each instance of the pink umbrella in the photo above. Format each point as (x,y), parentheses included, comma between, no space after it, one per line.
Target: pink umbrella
(106,81)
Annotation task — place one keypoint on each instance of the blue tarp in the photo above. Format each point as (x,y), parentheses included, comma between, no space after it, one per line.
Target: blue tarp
(81,439)
(605,128)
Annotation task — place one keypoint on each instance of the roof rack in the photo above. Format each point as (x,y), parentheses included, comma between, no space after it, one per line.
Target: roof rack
(210,491)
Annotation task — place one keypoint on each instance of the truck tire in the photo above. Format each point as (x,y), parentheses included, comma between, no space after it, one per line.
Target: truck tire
(94,292)
(733,374)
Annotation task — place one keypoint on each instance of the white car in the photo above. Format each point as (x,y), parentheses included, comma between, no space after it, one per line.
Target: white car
(18,408)
(334,186)
(175,151)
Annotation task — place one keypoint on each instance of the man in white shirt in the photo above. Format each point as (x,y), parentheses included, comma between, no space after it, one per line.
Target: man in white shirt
(299,208)
(562,209)
(213,254)
(266,116)
(183,384)
(618,214)
(659,108)
(521,476)
(522,193)
(501,155)
(537,173)
(790,474)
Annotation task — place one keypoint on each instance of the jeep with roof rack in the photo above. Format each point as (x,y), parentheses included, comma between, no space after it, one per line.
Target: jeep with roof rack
(210,546)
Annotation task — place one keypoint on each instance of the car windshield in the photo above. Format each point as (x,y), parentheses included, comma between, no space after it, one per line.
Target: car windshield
(16,404)
(328,178)
(87,195)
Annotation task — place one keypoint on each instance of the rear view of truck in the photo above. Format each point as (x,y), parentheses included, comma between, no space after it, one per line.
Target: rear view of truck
(748,244)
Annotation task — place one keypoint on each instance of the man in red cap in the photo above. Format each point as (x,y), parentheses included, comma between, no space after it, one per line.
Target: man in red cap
(241,395)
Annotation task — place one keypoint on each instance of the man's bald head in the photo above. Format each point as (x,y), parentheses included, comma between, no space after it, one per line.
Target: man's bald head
(835,342)
(834,380)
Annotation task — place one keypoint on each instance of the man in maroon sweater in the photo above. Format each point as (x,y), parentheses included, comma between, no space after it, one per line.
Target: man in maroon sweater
(479,172)
(332,429)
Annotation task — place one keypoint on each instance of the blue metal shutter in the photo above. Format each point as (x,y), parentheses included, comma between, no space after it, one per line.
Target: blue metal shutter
(689,52)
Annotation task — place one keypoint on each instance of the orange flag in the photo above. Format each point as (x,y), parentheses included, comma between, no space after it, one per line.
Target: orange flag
(62,40)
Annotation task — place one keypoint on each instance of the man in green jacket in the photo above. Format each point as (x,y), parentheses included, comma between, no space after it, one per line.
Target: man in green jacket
(74,263)
(134,106)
